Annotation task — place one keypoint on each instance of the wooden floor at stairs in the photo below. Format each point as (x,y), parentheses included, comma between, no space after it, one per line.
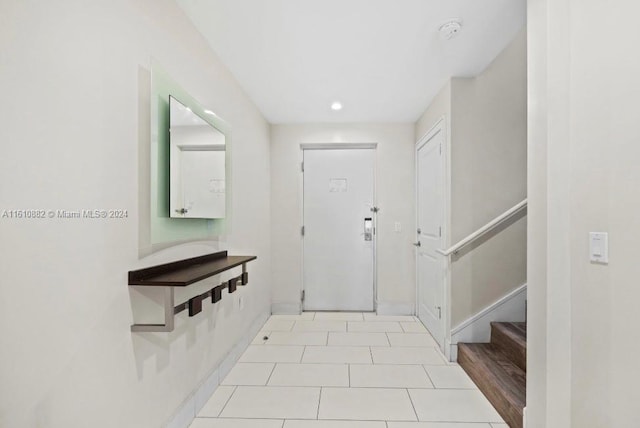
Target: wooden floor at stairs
(499,369)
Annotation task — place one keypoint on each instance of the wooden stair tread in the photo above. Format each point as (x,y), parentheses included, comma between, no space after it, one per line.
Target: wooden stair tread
(499,379)
(516,330)
(511,338)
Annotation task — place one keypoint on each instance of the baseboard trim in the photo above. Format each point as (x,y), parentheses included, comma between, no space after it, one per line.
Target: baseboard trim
(383,308)
(187,411)
(491,308)
(477,329)
(286,308)
(395,308)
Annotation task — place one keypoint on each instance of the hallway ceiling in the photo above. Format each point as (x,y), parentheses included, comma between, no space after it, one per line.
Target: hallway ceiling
(383,60)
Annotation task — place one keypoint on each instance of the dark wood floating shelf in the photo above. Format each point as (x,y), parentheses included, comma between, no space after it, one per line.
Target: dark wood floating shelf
(182,273)
(188,271)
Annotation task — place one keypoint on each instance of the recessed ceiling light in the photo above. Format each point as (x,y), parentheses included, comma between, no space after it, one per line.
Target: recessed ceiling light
(336,106)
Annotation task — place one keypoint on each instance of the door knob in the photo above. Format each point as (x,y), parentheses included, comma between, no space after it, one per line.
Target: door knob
(417,244)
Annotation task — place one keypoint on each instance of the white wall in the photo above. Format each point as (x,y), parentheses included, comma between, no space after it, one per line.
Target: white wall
(440,107)
(489,176)
(69,79)
(395,197)
(486,123)
(583,174)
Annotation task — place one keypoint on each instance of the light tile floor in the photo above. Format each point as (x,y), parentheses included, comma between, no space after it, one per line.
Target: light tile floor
(346,370)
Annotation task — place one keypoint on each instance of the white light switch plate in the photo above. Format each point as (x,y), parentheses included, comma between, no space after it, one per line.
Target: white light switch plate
(599,247)
(397,227)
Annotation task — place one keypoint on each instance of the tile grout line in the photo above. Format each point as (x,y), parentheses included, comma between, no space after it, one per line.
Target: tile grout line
(235,388)
(429,376)
(412,405)
(319,400)
(271,374)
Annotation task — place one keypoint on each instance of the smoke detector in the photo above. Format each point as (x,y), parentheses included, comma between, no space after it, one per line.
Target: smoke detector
(450,29)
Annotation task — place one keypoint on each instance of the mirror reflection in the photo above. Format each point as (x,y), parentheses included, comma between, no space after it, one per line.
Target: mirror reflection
(197,165)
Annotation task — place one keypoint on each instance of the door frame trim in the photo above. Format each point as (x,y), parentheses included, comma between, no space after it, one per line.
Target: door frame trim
(440,125)
(340,146)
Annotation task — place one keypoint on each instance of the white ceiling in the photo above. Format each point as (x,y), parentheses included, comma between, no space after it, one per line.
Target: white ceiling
(382,59)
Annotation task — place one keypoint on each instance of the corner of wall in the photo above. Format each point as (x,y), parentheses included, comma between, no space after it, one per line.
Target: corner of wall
(286,308)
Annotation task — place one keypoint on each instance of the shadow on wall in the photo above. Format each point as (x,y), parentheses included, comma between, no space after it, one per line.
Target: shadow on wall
(149,347)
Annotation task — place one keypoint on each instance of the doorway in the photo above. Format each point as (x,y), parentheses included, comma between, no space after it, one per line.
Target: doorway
(430,200)
(339,228)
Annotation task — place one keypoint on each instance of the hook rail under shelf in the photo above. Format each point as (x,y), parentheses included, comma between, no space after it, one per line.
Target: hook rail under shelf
(183,273)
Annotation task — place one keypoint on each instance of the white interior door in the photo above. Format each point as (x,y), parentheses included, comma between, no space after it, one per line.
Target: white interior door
(338,252)
(430,275)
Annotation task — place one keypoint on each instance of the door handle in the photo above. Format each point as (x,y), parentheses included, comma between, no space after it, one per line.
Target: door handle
(417,244)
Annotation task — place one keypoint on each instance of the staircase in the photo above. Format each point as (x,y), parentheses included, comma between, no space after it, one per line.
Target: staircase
(499,368)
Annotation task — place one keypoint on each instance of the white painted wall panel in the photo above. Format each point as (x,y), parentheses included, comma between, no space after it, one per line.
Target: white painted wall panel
(69,78)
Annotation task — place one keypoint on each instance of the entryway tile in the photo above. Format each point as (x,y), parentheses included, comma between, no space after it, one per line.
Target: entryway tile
(358,339)
(216,403)
(375,317)
(260,338)
(389,376)
(413,327)
(373,327)
(326,325)
(310,375)
(302,316)
(437,425)
(278,325)
(337,354)
(450,376)
(249,374)
(404,355)
(273,403)
(272,354)
(366,404)
(411,339)
(235,423)
(453,405)
(339,316)
(312,372)
(334,424)
(297,338)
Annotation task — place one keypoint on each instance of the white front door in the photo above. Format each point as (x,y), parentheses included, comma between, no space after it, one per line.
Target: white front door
(338,229)
(430,281)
